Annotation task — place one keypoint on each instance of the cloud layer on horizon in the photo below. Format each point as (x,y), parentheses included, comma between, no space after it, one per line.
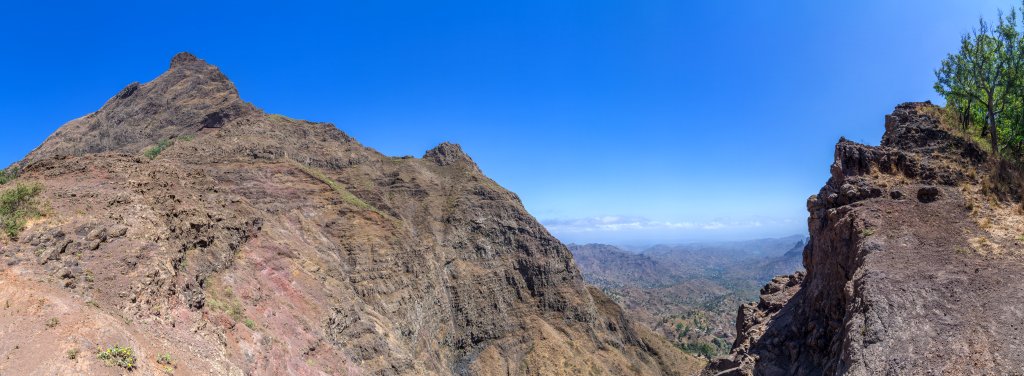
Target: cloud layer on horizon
(602,228)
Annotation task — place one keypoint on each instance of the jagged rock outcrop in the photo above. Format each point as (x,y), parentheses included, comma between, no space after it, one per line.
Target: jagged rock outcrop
(258,244)
(913,266)
(191,96)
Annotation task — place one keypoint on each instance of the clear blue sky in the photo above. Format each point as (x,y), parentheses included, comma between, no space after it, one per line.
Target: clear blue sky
(615,121)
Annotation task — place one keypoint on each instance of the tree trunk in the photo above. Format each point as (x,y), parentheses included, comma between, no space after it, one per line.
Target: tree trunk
(993,137)
(966,118)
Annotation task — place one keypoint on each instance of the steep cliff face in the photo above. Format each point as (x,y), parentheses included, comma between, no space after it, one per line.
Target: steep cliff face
(913,266)
(258,244)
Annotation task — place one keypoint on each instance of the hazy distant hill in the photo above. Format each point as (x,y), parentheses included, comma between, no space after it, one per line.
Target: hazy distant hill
(690,292)
(608,266)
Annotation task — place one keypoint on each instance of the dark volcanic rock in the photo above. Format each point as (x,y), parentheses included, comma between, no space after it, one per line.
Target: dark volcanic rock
(896,286)
(188,98)
(447,154)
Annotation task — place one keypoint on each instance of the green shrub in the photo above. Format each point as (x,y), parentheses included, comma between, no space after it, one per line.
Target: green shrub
(9,174)
(118,356)
(72,354)
(155,150)
(17,206)
(703,349)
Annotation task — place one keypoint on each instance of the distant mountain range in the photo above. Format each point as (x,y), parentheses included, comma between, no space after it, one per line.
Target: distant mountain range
(690,292)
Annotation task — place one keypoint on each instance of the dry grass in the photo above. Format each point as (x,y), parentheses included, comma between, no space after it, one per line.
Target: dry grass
(984,246)
(1001,221)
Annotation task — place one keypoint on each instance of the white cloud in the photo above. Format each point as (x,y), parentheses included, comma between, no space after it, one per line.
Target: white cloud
(714,225)
(612,223)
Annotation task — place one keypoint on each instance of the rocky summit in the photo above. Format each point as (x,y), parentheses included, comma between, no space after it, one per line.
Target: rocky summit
(184,230)
(914,265)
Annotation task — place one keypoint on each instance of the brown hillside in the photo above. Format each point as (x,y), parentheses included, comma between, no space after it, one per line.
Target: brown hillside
(259,244)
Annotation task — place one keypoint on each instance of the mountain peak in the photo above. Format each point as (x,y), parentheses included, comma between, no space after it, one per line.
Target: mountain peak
(447,153)
(191,96)
(183,59)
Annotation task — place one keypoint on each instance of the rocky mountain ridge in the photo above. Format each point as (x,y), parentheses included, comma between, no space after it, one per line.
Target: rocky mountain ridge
(179,220)
(913,265)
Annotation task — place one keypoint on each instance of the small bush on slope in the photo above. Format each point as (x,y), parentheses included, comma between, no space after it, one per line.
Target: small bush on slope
(123,357)
(154,151)
(8,175)
(17,206)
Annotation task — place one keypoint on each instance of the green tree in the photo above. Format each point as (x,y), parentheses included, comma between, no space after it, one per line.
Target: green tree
(985,74)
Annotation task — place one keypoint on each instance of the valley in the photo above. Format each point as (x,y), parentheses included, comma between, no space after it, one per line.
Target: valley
(689,293)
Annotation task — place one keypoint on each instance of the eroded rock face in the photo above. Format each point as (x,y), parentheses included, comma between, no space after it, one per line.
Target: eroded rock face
(906,272)
(259,244)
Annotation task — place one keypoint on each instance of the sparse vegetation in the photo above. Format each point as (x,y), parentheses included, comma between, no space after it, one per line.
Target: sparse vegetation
(9,174)
(231,306)
(694,333)
(344,193)
(984,223)
(703,349)
(155,150)
(17,206)
(52,323)
(866,232)
(72,354)
(164,359)
(118,356)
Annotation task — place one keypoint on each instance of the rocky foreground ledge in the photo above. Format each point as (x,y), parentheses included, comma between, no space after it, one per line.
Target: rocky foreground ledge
(914,265)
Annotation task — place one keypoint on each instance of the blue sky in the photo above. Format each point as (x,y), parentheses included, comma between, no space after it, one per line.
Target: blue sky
(615,121)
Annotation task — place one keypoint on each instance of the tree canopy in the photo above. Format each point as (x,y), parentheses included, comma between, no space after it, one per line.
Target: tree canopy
(984,82)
